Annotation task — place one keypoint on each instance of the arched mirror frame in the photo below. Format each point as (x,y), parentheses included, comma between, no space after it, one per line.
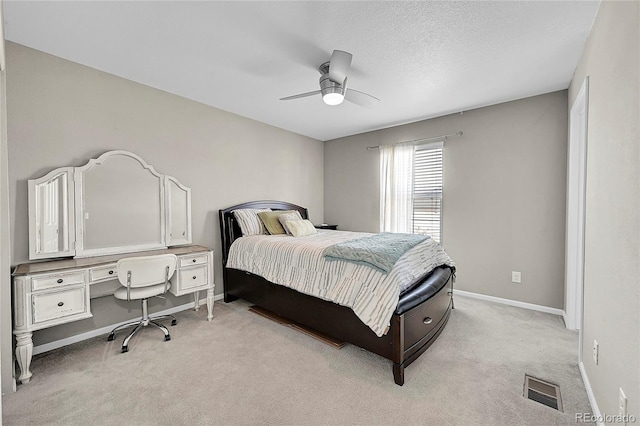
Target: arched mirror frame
(73,228)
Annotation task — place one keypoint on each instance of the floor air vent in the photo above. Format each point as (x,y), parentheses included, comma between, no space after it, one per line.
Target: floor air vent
(543,392)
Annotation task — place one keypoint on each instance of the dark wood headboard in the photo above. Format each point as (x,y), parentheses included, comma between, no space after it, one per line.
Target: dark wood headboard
(230,230)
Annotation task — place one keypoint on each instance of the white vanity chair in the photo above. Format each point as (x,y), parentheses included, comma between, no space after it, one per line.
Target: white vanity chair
(144,277)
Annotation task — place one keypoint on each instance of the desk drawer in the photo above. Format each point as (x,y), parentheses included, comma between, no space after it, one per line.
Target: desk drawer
(59,304)
(192,278)
(196,259)
(103,273)
(57,280)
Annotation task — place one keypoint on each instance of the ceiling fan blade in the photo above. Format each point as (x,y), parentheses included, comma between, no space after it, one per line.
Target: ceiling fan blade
(361,98)
(339,65)
(301,95)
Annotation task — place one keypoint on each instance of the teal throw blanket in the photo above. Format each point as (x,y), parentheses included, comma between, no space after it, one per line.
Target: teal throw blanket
(379,251)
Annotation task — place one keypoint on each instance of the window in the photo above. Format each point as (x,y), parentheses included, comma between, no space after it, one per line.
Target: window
(411,189)
(427,191)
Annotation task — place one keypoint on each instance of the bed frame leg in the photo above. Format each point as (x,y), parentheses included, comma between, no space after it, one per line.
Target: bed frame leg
(398,374)
(229,298)
(450,292)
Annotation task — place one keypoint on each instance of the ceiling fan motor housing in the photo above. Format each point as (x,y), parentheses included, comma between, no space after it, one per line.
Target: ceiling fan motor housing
(329,86)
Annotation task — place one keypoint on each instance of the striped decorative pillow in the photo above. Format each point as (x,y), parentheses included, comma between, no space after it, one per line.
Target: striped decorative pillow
(250,223)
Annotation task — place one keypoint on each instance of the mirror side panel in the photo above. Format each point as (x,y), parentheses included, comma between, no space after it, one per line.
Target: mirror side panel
(51,215)
(178,204)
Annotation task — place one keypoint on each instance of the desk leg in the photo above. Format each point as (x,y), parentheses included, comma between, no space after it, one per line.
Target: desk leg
(196,300)
(24,352)
(210,304)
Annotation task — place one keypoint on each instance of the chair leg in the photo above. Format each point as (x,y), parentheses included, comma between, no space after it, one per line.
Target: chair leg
(125,343)
(143,322)
(174,321)
(164,329)
(112,335)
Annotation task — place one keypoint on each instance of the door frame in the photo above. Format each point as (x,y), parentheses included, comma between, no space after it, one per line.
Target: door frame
(576,211)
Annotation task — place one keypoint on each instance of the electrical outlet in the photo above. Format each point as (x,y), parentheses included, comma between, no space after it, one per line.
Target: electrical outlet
(516,277)
(622,404)
(595,352)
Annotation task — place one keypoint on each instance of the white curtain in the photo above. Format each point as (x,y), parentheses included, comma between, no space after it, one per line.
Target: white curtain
(396,188)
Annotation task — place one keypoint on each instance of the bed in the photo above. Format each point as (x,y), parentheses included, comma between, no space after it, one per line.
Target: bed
(420,316)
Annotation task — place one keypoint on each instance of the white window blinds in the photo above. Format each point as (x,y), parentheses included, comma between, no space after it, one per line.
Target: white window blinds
(427,190)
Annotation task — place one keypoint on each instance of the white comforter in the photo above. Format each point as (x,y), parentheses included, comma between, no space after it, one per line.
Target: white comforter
(298,263)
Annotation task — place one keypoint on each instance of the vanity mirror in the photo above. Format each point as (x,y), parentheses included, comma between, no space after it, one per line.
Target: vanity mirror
(51,217)
(116,203)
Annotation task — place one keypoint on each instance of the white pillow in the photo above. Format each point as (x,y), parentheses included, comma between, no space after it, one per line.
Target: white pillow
(285,217)
(250,223)
(301,228)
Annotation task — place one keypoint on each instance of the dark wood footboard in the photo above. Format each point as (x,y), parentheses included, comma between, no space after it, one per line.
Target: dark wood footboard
(415,330)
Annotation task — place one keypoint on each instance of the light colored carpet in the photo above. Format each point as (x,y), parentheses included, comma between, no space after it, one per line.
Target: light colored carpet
(242,368)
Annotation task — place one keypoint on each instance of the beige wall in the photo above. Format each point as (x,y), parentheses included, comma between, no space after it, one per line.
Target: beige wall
(612,232)
(504,195)
(61,114)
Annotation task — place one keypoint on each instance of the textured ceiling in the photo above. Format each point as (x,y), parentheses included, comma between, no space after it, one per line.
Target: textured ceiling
(422,59)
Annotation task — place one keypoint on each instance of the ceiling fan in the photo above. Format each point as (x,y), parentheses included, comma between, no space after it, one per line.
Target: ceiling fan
(333,83)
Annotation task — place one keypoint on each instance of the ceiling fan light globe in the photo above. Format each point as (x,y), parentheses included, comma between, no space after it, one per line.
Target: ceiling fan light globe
(333,98)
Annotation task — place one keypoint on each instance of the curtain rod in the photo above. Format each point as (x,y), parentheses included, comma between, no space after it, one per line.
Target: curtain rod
(450,135)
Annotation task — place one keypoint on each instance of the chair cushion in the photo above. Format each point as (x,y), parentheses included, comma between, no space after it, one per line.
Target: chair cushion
(141,292)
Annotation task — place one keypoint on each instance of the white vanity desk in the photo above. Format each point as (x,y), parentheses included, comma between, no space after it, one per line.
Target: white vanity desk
(114,206)
(51,293)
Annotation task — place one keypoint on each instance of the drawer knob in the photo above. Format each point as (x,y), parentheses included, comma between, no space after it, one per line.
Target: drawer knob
(110,272)
(427,320)
(194,261)
(60,280)
(60,303)
(194,277)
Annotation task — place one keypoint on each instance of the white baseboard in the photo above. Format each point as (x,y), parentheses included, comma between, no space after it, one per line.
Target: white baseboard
(531,306)
(104,330)
(592,397)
